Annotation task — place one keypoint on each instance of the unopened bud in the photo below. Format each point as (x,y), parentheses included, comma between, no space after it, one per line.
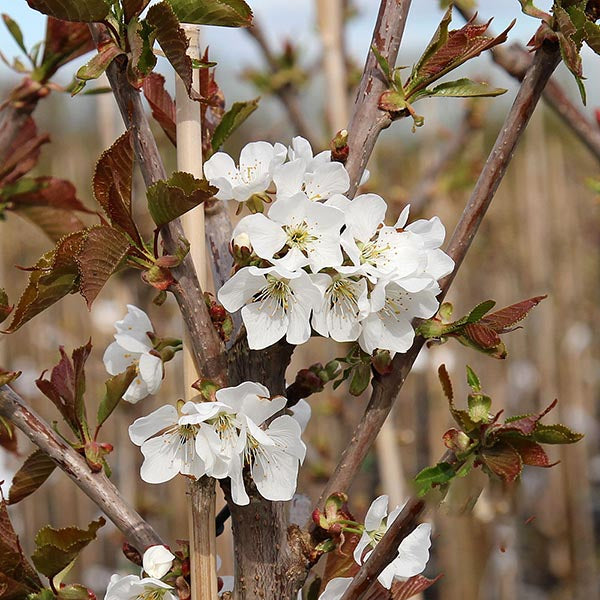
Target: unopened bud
(339,147)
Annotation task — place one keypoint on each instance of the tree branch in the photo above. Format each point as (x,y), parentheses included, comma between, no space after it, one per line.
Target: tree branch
(515,60)
(286,94)
(94,485)
(208,350)
(367,119)
(545,61)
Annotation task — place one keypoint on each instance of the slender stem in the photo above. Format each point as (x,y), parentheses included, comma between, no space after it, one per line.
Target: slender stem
(515,60)
(367,120)
(95,485)
(544,63)
(287,94)
(207,347)
(201,501)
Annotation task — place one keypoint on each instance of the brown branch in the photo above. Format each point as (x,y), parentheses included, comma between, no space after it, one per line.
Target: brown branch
(515,60)
(367,119)
(287,94)
(95,485)
(208,349)
(545,61)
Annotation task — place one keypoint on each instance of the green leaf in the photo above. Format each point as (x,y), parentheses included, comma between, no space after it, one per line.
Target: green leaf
(172,40)
(168,200)
(473,380)
(464,88)
(479,407)
(15,31)
(555,434)
(116,386)
(142,58)
(480,310)
(431,477)
(383,63)
(86,11)
(103,250)
(57,548)
(231,120)
(226,13)
(361,377)
(73,592)
(99,62)
(32,474)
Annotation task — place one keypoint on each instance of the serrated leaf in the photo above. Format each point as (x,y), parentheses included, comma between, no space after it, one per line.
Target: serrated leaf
(103,250)
(473,380)
(100,61)
(592,35)
(383,63)
(86,11)
(64,42)
(16,574)
(132,8)
(116,386)
(532,454)
(464,88)
(168,200)
(482,337)
(46,286)
(431,477)
(231,120)
(172,40)
(503,460)
(555,434)
(32,474)
(112,185)
(5,307)
(225,13)
(140,35)
(446,382)
(480,311)
(161,104)
(15,31)
(56,548)
(504,319)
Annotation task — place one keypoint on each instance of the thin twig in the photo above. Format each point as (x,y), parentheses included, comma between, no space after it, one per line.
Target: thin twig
(95,485)
(515,60)
(545,61)
(367,119)
(207,347)
(287,94)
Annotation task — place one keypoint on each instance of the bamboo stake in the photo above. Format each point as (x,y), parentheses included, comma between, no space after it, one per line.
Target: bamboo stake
(201,501)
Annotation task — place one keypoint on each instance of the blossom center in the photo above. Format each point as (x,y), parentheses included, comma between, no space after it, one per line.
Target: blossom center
(275,296)
(342,297)
(299,235)
(152,594)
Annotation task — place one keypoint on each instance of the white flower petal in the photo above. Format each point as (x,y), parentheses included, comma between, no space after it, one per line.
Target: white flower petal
(240,288)
(145,427)
(335,588)
(264,327)
(151,371)
(157,561)
(117,359)
(301,411)
(413,552)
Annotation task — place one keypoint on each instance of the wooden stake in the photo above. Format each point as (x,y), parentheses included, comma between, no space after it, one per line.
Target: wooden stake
(201,502)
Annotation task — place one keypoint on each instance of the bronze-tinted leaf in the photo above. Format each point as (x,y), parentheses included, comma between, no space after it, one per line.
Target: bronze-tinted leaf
(226,13)
(96,66)
(446,382)
(555,434)
(132,8)
(172,40)
(32,474)
(64,42)
(86,11)
(5,307)
(532,453)
(57,548)
(116,386)
(525,425)
(482,336)
(503,460)
(168,200)
(8,433)
(161,104)
(22,154)
(506,318)
(55,223)
(101,254)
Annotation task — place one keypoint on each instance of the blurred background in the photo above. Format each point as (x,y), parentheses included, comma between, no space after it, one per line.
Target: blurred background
(534,540)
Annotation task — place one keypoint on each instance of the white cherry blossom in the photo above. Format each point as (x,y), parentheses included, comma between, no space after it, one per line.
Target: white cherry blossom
(132,346)
(254,174)
(276,303)
(413,552)
(345,304)
(168,446)
(157,561)
(309,232)
(132,587)
(388,326)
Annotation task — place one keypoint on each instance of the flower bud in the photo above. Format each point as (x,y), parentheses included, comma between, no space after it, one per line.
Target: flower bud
(157,561)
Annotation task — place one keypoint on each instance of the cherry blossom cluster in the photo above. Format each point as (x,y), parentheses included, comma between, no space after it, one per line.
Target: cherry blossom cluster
(323,262)
(219,439)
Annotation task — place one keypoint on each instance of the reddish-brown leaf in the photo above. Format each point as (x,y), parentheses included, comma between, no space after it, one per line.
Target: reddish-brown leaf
(32,474)
(8,435)
(505,319)
(172,40)
(132,8)
(446,382)
(481,335)
(531,453)
(102,251)
(22,154)
(503,460)
(64,42)
(161,104)
(53,193)
(5,307)
(55,223)
(525,424)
